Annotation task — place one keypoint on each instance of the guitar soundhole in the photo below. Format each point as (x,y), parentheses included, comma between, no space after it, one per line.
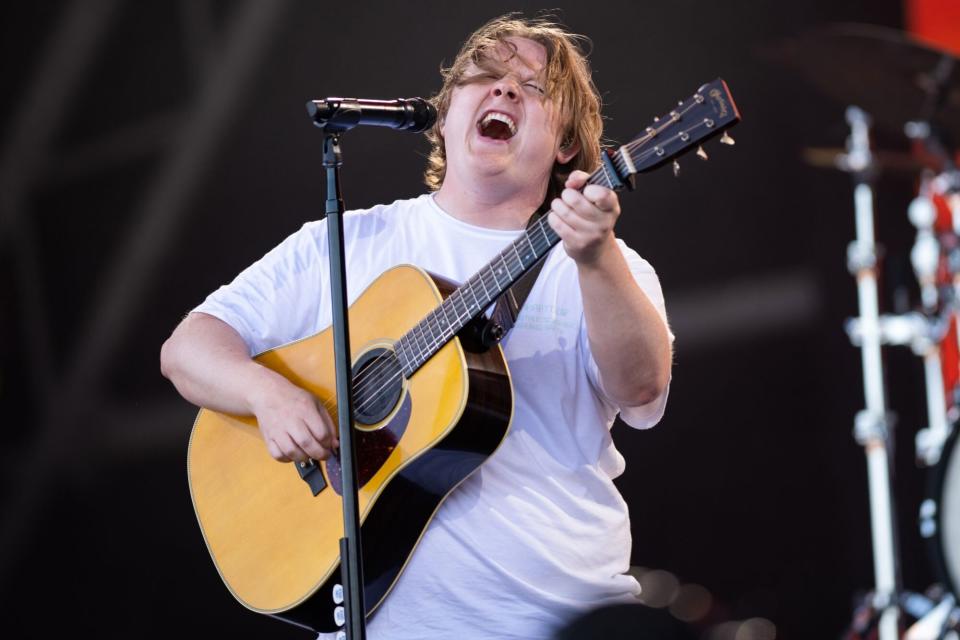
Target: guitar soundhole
(377,385)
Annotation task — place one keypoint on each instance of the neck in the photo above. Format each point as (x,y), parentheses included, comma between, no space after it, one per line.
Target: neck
(488,204)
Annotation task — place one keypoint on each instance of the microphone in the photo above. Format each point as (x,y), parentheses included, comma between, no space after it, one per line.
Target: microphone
(343,114)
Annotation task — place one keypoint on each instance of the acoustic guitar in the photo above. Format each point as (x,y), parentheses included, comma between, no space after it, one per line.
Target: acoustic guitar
(429,409)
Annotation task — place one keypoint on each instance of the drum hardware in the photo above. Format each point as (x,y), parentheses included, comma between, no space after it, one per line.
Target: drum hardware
(872,426)
(939,622)
(885,161)
(910,89)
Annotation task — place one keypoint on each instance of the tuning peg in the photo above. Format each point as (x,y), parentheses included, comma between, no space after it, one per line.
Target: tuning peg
(702,154)
(726,139)
(676,168)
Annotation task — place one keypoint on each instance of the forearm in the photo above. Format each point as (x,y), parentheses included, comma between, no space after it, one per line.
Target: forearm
(209,364)
(628,338)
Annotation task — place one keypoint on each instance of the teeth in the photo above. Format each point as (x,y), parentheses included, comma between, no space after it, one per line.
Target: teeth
(501,117)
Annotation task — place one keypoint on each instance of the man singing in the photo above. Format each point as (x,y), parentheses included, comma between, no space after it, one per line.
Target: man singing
(539,533)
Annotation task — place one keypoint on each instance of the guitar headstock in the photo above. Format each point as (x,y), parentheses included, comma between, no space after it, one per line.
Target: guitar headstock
(707,113)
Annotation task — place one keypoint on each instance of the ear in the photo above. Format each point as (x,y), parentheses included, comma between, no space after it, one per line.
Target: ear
(566,154)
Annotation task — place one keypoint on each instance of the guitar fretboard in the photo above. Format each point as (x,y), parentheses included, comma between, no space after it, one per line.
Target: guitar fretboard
(707,113)
(476,294)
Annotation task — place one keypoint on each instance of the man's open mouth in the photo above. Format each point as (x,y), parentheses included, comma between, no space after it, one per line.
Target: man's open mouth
(496,125)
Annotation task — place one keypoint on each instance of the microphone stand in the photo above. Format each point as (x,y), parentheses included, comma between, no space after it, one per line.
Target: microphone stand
(351,566)
(334,116)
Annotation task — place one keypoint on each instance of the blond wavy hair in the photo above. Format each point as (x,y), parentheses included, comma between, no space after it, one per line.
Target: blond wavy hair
(568,83)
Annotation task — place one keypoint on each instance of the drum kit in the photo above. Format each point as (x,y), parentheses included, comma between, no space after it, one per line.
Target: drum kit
(896,84)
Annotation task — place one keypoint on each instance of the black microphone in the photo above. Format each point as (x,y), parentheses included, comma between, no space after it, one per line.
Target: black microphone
(343,114)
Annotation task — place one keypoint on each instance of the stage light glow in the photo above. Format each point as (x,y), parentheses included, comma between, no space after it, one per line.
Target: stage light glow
(692,603)
(724,631)
(756,629)
(658,588)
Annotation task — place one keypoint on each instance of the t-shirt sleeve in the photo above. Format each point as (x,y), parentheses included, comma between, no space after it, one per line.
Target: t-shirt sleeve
(277,299)
(646,415)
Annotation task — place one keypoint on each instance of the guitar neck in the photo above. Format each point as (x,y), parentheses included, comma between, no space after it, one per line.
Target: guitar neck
(480,291)
(709,112)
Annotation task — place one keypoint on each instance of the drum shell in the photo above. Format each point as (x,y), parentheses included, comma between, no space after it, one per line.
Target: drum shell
(940,515)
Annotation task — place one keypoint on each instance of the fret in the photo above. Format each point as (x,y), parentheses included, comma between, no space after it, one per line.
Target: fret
(452,325)
(501,285)
(476,300)
(519,262)
(411,360)
(433,324)
(486,292)
(543,230)
(398,348)
(455,297)
(526,236)
(525,260)
(519,259)
(491,289)
(421,340)
(415,357)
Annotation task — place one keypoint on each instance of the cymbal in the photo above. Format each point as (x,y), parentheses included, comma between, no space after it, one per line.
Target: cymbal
(836,158)
(893,77)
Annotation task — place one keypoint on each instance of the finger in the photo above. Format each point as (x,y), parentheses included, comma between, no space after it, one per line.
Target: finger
(321,430)
(563,229)
(290,448)
(329,427)
(603,198)
(566,213)
(308,443)
(577,179)
(579,204)
(274,449)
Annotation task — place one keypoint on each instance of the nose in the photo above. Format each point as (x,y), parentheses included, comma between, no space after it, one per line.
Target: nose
(506,87)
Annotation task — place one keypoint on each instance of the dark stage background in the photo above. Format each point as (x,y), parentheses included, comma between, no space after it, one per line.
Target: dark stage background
(152,150)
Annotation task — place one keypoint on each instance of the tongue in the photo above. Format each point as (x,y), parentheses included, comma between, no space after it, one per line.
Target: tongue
(496,130)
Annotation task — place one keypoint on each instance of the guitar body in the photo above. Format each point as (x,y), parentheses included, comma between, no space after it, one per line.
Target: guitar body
(273,540)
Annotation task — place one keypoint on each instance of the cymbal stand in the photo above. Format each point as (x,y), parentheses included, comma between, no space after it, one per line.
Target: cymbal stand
(926,258)
(872,425)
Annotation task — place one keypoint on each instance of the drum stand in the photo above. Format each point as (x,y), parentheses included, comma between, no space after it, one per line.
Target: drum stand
(872,425)
(937,612)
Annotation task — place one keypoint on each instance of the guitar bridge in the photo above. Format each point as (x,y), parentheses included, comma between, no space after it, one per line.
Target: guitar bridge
(310,473)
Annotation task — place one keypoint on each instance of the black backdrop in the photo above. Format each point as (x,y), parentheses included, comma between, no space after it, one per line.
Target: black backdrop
(152,150)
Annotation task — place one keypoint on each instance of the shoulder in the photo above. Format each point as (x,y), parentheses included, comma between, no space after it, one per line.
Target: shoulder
(367,223)
(396,210)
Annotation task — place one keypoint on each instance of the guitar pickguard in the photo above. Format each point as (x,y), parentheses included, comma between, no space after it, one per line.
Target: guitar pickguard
(373,448)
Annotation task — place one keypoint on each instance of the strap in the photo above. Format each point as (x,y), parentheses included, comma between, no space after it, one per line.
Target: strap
(507,309)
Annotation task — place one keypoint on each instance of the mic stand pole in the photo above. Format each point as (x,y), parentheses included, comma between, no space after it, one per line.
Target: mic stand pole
(351,568)
(872,425)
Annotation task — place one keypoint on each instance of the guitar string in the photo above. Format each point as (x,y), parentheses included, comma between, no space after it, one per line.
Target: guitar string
(380,370)
(381,366)
(377,373)
(363,382)
(510,262)
(385,377)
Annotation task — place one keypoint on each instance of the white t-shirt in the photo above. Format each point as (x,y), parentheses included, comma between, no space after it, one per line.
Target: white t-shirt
(539,533)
